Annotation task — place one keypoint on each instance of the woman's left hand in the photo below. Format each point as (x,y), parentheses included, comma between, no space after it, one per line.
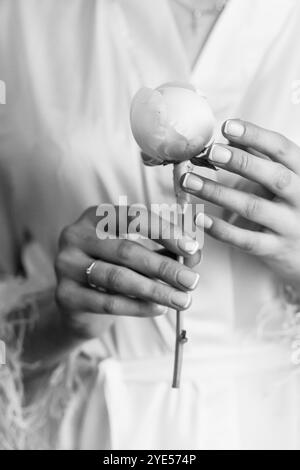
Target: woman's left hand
(273,161)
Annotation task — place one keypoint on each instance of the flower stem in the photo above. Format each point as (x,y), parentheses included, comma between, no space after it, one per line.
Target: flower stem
(181,339)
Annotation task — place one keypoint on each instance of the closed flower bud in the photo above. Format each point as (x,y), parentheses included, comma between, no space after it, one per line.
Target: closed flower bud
(172,123)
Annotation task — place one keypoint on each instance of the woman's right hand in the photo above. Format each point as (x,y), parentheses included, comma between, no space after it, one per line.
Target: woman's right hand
(129,278)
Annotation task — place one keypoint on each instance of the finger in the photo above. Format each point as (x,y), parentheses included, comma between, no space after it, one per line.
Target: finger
(173,238)
(140,222)
(76,298)
(163,227)
(129,254)
(271,215)
(272,144)
(73,264)
(247,149)
(274,176)
(255,243)
(129,283)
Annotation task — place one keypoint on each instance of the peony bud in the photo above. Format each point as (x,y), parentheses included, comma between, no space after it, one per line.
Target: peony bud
(172,123)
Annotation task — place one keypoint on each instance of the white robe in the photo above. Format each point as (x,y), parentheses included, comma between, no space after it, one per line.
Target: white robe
(71,69)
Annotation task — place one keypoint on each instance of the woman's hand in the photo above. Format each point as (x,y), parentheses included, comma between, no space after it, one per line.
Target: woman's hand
(127,278)
(273,161)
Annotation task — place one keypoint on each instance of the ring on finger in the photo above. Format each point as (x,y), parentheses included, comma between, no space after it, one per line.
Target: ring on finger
(88,273)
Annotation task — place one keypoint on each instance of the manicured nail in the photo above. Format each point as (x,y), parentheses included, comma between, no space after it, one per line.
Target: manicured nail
(188,279)
(203,221)
(234,128)
(188,245)
(192,182)
(181,299)
(219,154)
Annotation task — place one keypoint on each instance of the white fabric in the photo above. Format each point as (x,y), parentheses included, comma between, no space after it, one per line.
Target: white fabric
(71,69)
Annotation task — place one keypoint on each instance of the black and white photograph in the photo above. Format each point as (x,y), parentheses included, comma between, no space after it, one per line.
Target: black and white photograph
(149,227)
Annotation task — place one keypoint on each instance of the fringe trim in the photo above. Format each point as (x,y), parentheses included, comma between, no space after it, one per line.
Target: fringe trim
(35,427)
(21,303)
(12,422)
(280,321)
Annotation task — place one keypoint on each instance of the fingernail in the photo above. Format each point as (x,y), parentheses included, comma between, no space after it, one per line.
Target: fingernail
(219,154)
(192,182)
(181,299)
(203,221)
(234,129)
(188,279)
(189,246)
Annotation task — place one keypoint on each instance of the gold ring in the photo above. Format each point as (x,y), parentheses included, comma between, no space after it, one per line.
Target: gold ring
(88,272)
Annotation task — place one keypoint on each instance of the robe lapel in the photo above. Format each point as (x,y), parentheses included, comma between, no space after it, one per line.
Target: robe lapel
(235,49)
(156,46)
(230,59)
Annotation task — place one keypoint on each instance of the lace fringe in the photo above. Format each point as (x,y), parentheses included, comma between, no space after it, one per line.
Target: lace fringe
(280,321)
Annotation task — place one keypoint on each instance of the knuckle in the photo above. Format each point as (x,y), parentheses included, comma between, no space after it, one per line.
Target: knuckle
(110,305)
(283,146)
(252,208)
(125,251)
(214,191)
(164,269)
(243,162)
(254,131)
(87,237)
(282,178)
(250,245)
(157,293)
(114,277)
(69,236)
(60,263)
(63,293)
(147,264)
(226,234)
